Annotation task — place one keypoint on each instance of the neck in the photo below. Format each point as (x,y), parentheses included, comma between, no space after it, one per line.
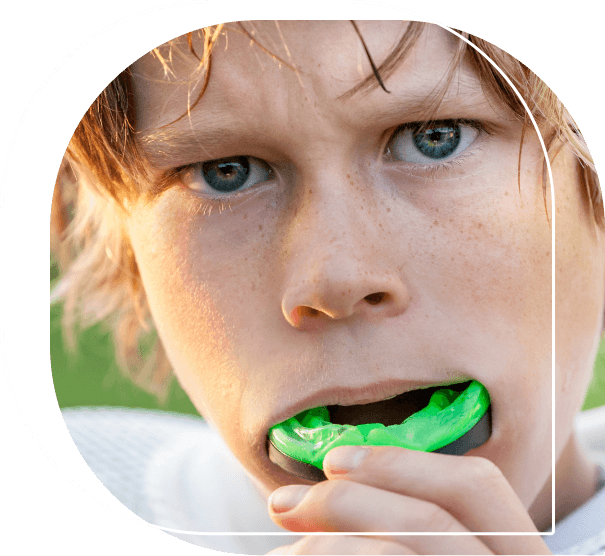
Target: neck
(576,481)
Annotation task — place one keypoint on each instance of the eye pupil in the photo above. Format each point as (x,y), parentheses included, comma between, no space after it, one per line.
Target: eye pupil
(227,169)
(226,174)
(438,142)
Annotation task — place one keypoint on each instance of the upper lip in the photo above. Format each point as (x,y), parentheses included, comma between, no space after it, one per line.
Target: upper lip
(365,394)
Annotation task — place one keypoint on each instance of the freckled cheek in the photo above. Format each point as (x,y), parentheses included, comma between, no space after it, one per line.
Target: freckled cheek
(501,265)
(190,321)
(212,283)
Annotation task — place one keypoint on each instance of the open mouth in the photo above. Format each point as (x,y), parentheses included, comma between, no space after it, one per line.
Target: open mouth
(392,411)
(450,419)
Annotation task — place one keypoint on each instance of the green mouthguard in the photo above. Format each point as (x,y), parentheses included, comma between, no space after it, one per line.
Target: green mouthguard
(449,415)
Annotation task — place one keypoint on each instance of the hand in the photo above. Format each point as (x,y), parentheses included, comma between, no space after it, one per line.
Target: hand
(383,489)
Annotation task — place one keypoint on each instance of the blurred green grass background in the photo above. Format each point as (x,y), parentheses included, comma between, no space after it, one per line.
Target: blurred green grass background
(90,376)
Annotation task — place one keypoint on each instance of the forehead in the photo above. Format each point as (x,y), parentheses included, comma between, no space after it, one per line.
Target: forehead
(312,62)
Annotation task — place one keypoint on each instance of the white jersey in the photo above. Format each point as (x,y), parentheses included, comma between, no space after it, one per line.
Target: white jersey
(174,471)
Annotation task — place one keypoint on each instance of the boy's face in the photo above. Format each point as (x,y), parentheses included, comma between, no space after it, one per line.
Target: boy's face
(354,262)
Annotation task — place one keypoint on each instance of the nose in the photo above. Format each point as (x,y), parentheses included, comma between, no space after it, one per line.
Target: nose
(332,294)
(340,267)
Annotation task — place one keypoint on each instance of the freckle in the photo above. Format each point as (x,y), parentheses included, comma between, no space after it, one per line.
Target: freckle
(260,226)
(452,258)
(348,175)
(245,216)
(388,209)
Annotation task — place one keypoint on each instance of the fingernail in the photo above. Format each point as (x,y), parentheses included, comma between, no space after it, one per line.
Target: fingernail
(345,458)
(286,498)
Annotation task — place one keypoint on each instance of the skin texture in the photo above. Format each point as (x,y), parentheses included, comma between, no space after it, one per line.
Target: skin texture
(263,307)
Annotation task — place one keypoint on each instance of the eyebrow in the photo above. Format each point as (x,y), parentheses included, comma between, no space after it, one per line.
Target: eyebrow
(417,108)
(166,145)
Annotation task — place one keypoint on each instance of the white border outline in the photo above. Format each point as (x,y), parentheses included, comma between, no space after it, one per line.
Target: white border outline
(179,531)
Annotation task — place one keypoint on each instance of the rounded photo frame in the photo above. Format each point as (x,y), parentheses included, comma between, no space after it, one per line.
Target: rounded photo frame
(50,504)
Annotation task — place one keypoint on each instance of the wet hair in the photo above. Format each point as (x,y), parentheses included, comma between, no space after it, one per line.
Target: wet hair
(103,169)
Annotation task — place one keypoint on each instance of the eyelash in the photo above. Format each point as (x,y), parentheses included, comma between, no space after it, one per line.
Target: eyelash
(206,205)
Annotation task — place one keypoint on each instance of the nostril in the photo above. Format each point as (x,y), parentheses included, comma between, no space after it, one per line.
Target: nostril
(375,298)
(302,311)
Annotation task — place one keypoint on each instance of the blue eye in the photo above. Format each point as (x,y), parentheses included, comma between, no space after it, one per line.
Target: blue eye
(437,141)
(226,175)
